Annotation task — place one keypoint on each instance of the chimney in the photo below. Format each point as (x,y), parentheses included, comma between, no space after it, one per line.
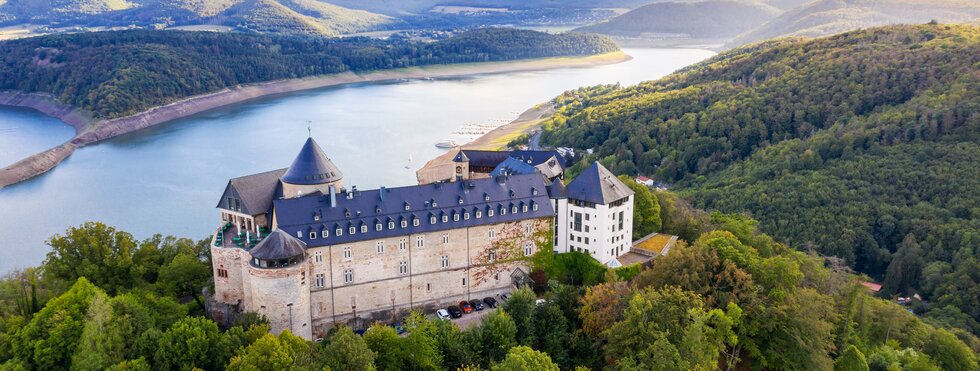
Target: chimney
(333,196)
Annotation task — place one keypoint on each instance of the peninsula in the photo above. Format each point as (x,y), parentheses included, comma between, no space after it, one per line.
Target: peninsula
(116,110)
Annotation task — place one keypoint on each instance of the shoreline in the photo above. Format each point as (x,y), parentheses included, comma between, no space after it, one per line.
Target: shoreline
(89,130)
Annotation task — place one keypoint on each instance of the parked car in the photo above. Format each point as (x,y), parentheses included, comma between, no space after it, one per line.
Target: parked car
(540,302)
(465,306)
(399,328)
(491,302)
(454,311)
(477,304)
(442,314)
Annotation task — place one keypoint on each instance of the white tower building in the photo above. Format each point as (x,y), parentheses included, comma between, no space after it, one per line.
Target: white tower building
(596,217)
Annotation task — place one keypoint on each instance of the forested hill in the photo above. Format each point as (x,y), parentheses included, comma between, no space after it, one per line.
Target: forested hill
(713,18)
(115,74)
(863,145)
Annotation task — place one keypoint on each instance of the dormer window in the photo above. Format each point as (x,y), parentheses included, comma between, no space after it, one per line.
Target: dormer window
(299,234)
(432,220)
(312,235)
(353,230)
(347,213)
(486,197)
(534,191)
(466,215)
(391,225)
(479,214)
(324,234)
(378,227)
(434,203)
(455,217)
(523,208)
(511,193)
(513,209)
(461,200)
(489,213)
(404,223)
(503,211)
(340,232)
(445,218)
(316,217)
(415,222)
(534,206)
(377,209)
(363,229)
(408,206)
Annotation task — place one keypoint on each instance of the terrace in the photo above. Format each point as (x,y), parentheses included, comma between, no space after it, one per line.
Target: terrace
(227,236)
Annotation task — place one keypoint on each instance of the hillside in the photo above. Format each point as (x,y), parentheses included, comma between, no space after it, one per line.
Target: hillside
(264,16)
(863,146)
(115,74)
(707,19)
(827,17)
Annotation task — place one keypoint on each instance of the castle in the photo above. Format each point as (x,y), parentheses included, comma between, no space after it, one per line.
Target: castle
(306,252)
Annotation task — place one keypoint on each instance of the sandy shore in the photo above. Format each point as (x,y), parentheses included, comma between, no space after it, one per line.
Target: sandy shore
(89,130)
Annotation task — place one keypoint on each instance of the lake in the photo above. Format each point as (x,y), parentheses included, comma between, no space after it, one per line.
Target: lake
(167,179)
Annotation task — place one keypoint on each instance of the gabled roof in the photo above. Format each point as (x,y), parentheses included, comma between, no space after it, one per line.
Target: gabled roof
(513,166)
(461,157)
(297,214)
(557,190)
(597,185)
(255,192)
(312,166)
(481,158)
(278,245)
(550,168)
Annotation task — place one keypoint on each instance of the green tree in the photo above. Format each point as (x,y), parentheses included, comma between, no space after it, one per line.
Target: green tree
(192,342)
(520,307)
(52,335)
(348,352)
(495,336)
(851,360)
(646,209)
(185,275)
(522,358)
(551,332)
(949,352)
(906,266)
(270,353)
(95,251)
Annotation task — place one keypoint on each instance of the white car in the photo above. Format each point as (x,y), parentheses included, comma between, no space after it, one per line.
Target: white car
(540,302)
(443,314)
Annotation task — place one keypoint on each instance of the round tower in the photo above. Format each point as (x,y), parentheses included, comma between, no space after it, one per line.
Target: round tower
(311,171)
(278,274)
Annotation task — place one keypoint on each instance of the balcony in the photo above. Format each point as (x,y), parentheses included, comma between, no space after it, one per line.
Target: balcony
(228,236)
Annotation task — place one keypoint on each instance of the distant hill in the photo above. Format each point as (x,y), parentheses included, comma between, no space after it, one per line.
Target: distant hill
(706,19)
(863,145)
(264,16)
(118,73)
(827,17)
(403,7)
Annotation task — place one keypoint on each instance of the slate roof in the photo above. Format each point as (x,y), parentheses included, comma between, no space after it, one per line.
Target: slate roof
(461,157)
(538,157)
(278,245)
(369,208)
(312,166)
(255,192)
(597,185)
(480,158)
(557,190)
(551,168)
(513,166)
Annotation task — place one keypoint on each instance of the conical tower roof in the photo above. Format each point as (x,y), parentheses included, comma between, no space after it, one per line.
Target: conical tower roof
(278,245)
(312,166)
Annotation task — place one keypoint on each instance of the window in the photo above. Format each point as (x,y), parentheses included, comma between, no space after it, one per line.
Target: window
(432,220)
(391,225)
(620,220)
(466,215)
(503,210)
(321,280)
(445,261)
(381,247)
(353,230)
(445,218)
(577,223)
(404,223)
(415,222)
(378,227)
(490,212)
(491,233)
(223,273)
(527,229)
(479,214)
(428,287)
(312,235)
(534,206)
(455,217)
(486,197)
(402,244)
(464,281)
(347,253)
(528,249)
(348,276)
(420,241)
(445,238)
(316,217)
(318,257)
(299,234)
(523,208)
(513,209)
(324,233)
(340,232)
(402,267)
(363,229)
(408,206)
(491,256)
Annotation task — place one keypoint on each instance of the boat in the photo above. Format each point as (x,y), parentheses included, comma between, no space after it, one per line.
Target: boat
(446,143)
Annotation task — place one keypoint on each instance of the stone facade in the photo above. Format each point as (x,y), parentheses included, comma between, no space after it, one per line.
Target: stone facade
(366,280)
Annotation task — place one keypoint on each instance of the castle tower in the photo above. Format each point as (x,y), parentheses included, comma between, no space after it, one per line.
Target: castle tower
(310,172)
(278,274)
(461,163)
(598,219)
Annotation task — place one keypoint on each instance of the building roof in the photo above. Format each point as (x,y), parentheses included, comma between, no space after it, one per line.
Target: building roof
(557,190)
(312,166)
(551,168)
(538,157)
(641,178)
(255,192)
(597,185)
(380,206)
(513,166)
(461,157)
(481,158)
(655,243)
(278,245)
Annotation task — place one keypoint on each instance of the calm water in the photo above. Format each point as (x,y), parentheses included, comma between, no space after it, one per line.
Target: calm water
(168,179)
